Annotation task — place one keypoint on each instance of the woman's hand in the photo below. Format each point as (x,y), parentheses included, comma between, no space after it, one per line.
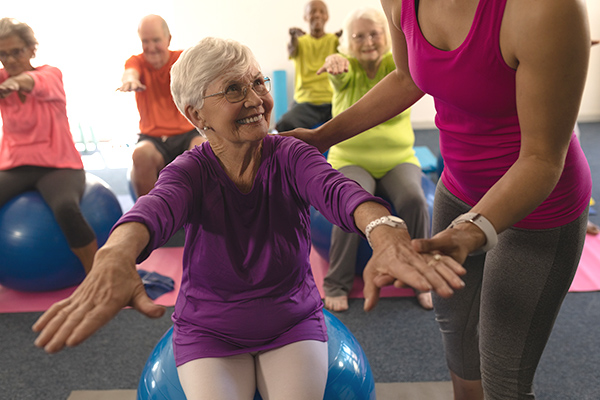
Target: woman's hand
(310,136)
(335,64)
(396,261)
(8,86)
(105,291)
(457,242)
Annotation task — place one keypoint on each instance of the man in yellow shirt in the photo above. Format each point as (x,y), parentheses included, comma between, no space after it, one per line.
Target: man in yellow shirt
(312,93)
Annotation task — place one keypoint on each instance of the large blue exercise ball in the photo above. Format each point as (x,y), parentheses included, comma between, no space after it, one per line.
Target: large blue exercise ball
(349,376)
(34,253)
(320,229)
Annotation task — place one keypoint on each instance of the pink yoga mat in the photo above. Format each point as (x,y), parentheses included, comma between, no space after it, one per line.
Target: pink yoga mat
(167,261)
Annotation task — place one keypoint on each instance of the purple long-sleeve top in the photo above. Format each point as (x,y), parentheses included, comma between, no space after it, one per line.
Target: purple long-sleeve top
(247,284)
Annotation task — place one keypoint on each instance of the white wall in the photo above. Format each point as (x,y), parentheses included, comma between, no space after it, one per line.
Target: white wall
(90,41)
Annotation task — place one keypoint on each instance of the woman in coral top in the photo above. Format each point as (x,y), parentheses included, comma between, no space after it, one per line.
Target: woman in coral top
(507,77)
(37,149)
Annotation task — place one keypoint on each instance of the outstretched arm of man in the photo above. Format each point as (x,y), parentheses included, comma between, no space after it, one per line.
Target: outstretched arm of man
(130,82)
(113,283)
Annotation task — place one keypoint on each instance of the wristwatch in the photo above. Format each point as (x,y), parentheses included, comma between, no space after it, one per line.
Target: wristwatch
(491,237)
(389,220)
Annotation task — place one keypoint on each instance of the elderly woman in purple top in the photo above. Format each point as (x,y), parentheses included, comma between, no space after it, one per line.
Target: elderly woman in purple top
(248,315)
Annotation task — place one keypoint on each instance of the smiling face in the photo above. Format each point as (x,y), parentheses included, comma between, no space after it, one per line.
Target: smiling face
(367,42)
(15,55)
(155,41)
(236,123)
(316,15)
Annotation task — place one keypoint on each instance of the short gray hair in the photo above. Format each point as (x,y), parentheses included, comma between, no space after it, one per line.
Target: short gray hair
(12,27)
(197,67)
(370,14)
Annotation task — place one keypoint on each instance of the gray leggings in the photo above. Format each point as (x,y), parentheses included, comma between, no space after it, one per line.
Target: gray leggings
(62,190)
(496,328)
(402,187)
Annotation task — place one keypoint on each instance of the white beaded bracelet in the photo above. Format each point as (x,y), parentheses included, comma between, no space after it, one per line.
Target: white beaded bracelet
(389,220)
(491,237)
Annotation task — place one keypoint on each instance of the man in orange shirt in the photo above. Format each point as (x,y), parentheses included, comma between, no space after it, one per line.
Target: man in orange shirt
(164,131)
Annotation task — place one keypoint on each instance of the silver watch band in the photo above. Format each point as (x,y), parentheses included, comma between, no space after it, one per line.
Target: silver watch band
(389,220)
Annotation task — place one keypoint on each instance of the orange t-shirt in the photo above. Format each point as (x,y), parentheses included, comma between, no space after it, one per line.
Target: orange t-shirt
(158,114)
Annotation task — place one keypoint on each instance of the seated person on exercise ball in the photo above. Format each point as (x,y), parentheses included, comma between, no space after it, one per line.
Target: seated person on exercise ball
(248,314)
(382,160)
(164,132)
(37,150)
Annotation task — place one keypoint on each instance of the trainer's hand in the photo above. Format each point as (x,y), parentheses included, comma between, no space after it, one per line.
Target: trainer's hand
(395,261)
(105,291)
(310,136)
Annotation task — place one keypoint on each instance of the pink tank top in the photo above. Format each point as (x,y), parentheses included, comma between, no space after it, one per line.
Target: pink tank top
(476,114)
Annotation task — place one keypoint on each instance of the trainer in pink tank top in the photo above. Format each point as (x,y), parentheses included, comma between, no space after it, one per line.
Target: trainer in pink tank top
(475,101)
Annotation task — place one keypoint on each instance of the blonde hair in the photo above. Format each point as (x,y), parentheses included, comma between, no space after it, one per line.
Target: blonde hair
(370,14)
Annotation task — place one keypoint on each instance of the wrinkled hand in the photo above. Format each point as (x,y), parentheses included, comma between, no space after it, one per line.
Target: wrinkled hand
(334,64)
(310,136)
(8,86)
(105,291)
(132,86)
(395,261)
(296,32)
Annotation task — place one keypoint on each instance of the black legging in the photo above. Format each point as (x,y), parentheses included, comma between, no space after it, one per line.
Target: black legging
(62,189)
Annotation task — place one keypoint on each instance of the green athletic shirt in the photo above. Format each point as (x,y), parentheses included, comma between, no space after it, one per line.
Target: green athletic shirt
(311,54)
(381,148)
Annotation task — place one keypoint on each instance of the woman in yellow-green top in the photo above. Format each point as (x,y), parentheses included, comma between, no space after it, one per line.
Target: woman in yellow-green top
(382,160)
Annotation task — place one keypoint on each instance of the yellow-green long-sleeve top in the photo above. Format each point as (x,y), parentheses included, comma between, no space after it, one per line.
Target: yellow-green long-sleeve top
(381,148)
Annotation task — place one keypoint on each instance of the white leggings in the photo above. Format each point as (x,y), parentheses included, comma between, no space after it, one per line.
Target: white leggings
(297,371)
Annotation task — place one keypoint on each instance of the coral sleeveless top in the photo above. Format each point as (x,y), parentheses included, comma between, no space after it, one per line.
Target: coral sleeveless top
(476,113)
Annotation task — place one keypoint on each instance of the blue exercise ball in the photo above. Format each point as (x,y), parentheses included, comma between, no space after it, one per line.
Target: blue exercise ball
(349,376)
(34,253)
(320,229)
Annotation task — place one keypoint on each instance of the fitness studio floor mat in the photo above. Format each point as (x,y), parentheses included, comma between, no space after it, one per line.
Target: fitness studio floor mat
(587,278)
(414,391)
(102,395)
(167,261)
(385,391)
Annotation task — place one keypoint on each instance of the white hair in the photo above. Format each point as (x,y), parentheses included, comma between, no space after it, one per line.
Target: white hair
(197,67)
(370,14)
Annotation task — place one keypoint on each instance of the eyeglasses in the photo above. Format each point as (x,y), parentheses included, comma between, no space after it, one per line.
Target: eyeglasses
(361,37)
(236,92)
(15,53)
